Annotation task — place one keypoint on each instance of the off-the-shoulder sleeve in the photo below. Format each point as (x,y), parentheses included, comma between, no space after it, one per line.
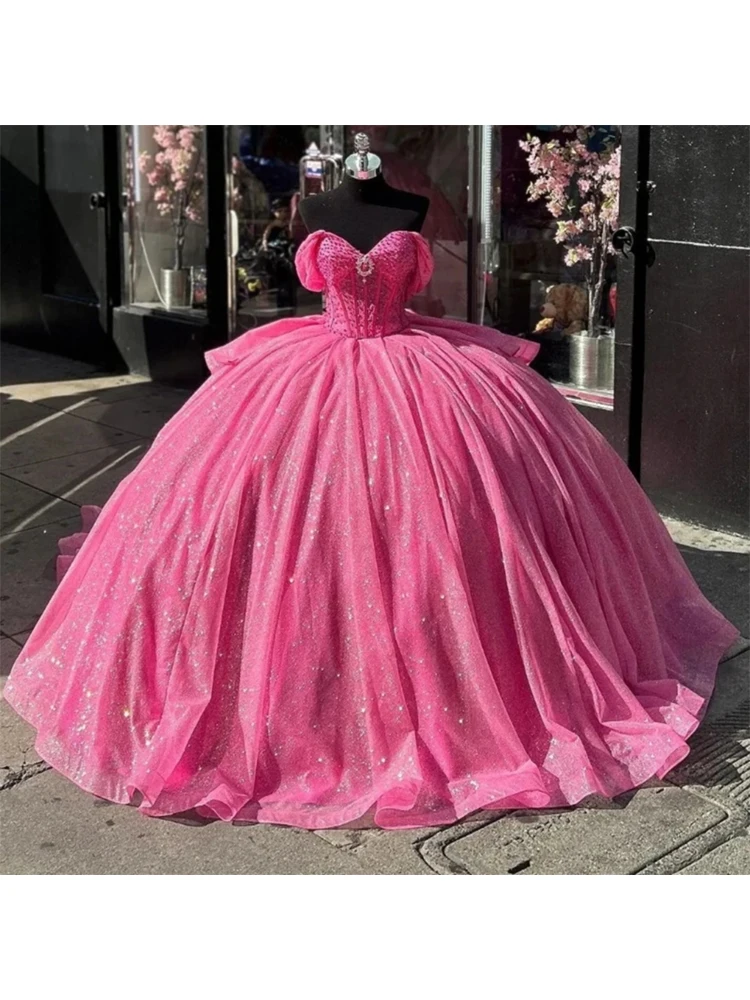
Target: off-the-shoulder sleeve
(424,265)
(306,261)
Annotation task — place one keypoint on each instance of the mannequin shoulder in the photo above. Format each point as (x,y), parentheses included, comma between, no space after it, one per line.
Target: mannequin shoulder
(420,206)
(313,210)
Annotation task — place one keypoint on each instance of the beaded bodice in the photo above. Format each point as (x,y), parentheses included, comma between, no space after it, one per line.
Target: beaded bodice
(365,294)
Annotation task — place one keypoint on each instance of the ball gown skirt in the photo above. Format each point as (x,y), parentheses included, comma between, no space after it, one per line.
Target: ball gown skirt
(376,566)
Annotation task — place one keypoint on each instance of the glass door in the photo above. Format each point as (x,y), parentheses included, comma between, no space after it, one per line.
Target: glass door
(73,231)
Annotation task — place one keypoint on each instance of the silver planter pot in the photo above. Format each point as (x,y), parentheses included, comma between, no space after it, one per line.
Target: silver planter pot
(584,361)
(592,361)
(176,287)
(606,368)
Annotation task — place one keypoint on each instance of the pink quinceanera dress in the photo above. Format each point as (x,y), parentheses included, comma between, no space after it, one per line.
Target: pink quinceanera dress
(376,566)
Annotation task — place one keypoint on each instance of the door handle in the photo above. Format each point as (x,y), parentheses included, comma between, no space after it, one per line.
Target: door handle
(97,199)
(623,240)
(626,242)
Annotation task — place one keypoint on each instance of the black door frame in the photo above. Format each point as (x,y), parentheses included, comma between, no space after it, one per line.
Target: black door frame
(111,225)
(218,270)
(631,288)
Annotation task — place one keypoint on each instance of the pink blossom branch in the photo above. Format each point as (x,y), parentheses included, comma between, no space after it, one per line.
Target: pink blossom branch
(175,173)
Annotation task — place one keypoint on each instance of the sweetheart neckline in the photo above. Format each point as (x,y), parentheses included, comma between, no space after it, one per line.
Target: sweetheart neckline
(366,253)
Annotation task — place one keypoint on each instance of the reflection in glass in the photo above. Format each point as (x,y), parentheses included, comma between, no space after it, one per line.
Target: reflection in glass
(164,209)
(265,175)
(267,163)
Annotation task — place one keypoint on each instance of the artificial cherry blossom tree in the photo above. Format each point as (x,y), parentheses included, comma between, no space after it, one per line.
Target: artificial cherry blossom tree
(580,187)
(176,175)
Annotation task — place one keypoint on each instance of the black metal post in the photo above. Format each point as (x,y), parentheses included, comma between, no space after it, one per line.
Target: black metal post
(473,221)
(640,277)
(217,276)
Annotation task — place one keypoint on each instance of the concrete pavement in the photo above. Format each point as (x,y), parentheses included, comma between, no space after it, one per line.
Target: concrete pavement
(70,433)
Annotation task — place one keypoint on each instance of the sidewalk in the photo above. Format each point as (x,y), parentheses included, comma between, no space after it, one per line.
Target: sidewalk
(69,435)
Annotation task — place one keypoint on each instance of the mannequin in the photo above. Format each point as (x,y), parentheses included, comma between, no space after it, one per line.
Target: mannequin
(363,211)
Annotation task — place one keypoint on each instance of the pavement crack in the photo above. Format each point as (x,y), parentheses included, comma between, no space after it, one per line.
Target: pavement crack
(521,867)
(15,776)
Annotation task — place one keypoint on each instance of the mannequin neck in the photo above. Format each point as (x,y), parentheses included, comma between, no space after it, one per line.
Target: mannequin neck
(363,212)
(369,191)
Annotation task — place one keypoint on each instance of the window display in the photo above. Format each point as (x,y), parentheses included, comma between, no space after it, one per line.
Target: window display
(272,166)
(553,278)
(519,226)
(165,210)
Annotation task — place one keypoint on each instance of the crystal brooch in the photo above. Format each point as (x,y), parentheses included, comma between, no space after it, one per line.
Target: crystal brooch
(365,266)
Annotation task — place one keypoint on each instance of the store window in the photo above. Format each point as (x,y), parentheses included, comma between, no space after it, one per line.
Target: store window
(520,225)
(265,229)
(274,166)
(552,272)
(164,205)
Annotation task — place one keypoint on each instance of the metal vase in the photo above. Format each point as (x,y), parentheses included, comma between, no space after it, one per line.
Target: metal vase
(584,361)
(606,363)
(176,287)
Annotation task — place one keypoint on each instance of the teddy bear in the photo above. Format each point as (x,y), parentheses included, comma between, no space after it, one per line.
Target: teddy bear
(564,310)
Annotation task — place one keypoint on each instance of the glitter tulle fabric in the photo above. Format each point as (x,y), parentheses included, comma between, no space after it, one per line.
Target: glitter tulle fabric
(376,566)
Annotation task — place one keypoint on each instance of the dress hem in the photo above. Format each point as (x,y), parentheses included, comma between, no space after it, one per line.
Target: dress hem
(504,791)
